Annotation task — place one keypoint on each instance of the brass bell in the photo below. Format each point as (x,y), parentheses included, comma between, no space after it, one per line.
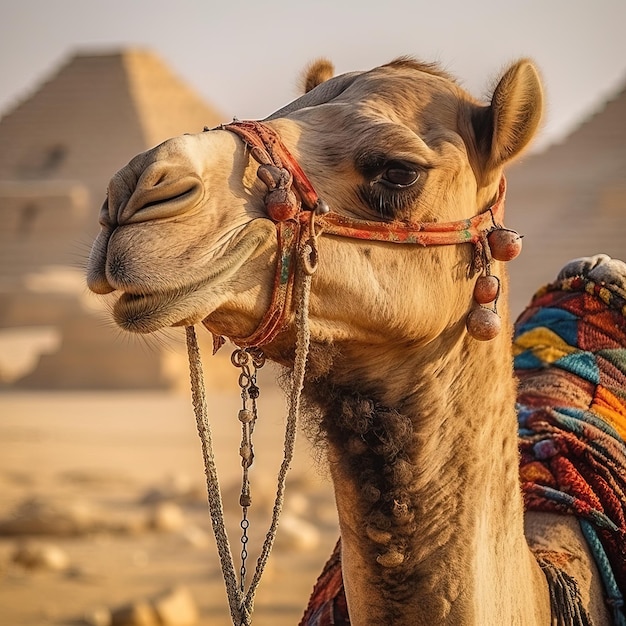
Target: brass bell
(483,324)
(486,289)
(504,244)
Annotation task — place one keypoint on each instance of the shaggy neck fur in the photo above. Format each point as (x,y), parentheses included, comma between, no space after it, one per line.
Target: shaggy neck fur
(423,456)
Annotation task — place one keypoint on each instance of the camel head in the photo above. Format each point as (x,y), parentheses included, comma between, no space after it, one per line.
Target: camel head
(186,236)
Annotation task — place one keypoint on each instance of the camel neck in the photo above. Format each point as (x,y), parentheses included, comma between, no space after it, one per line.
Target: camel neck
(427,490)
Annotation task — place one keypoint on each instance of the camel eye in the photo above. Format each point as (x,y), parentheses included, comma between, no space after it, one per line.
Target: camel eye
(389,187)
(399,175)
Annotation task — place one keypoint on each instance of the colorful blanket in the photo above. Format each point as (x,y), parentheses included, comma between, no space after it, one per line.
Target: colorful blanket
(570,357)
(327,605)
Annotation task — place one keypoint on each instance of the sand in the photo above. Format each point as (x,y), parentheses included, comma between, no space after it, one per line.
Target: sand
(119,457)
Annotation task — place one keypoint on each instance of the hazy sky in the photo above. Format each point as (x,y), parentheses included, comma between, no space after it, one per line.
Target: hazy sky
(245,57)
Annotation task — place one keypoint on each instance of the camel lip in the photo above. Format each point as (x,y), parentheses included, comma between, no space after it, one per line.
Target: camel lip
(140,310)
(145,312)
(148,312)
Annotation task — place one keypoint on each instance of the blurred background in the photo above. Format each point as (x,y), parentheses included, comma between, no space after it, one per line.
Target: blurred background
(102,507)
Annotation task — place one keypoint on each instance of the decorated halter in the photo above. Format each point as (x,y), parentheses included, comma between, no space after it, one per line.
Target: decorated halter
(300,215)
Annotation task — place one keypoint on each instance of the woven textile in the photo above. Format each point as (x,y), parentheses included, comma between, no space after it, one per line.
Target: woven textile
(328,601)
(570,358)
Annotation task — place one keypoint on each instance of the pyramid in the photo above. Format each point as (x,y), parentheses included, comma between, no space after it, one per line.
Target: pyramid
(93,115)
(570,200)
(58,150)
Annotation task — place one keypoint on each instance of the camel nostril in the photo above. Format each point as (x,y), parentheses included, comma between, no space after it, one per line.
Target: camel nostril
(173,201)
(161,197)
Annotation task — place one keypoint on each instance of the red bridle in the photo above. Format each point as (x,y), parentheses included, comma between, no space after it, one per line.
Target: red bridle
(298,212)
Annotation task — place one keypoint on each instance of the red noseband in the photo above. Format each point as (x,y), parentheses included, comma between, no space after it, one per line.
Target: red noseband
(301,215)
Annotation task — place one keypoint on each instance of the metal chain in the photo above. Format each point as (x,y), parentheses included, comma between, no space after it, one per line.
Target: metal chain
(249,361)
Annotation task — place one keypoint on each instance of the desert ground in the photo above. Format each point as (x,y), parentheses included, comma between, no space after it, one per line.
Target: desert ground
(103,514)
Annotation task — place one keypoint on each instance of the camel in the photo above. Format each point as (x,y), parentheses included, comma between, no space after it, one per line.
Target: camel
(393,178)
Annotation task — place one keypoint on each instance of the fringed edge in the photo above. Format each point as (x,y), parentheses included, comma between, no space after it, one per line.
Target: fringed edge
(565,602)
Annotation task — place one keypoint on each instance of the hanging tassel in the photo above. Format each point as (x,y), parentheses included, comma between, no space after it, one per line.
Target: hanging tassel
(565,601)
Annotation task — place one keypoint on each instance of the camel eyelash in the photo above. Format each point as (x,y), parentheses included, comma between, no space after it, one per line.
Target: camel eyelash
(390,202)
(391,185)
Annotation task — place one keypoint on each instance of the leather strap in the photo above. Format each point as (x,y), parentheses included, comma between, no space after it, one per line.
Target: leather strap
(308,215)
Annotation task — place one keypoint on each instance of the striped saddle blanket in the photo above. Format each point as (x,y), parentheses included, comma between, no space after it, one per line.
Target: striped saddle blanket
(570,358)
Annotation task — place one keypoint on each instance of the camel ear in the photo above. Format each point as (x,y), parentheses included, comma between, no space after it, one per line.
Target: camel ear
(316,73)
(508,125)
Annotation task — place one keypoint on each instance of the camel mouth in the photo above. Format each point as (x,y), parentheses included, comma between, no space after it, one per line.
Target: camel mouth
(143,311)
(149,312)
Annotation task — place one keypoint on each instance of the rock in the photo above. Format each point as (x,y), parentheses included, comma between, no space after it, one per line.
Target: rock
(138,613)
(39,516)
(178,488)
(21,348)
(167,517)
(176,607)
(99,616)
(43,556)
(128,524)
